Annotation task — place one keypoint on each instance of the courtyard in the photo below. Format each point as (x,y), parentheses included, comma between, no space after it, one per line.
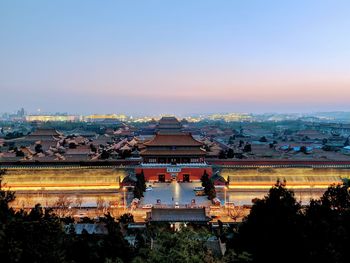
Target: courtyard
(174,193)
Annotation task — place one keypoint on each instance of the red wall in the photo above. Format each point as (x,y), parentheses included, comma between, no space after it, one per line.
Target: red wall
(276,162)
(151,174)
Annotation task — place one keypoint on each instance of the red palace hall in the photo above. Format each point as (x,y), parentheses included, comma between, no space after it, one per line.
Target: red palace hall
(173,156)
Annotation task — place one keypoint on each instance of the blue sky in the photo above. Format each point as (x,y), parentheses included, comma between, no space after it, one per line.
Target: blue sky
(175,56)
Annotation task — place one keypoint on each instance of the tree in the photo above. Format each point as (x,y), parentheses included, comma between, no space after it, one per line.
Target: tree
(211,192)
(126,219)
(232,256)
(222,154)
(303,149)
(205,179)
(38,236)
(337,197)
(62,205)
(273,225)
(206,148)
(104,155)
(72,145)
(327,228)
(230,153)
(2,173)
(326,148)
(20,153)
(208,185)
(142,181)
(100,204)
(247,148)
(6,197)
(231,140)
(93,148)
(125,154)
(137,192)
(140,186)
(263,139)
(185,245)
(38,148)
(79,201)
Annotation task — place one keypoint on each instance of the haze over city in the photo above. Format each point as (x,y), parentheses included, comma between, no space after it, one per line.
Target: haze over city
(197,131)
(154,57)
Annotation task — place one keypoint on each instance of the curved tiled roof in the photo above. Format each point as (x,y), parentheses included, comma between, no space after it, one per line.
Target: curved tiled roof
(45,132)
(182,139)
(178,215)
(174,152)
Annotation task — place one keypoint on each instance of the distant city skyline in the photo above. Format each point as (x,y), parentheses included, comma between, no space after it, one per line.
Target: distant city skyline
(23,112)
(182,57)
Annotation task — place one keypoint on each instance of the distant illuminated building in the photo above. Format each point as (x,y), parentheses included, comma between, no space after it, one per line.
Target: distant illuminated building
(46,118)
(230,117)
(105,117)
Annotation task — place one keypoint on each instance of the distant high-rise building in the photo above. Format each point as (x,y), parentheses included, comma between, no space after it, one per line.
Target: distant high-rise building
(21,113)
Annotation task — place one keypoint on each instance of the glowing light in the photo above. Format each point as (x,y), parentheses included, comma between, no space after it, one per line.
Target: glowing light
(268,186)
(46,118)
(62,179)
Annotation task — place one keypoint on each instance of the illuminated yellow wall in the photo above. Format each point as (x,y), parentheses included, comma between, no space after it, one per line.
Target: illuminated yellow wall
(295,177)
(63,179)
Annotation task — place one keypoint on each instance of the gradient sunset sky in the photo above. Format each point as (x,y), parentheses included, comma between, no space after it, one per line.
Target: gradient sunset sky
(180,57)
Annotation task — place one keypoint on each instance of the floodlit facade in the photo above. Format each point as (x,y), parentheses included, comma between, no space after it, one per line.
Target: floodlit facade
(46,118)
(62,179)
(105,117)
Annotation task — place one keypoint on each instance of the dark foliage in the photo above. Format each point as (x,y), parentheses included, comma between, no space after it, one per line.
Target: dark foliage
(208,185)
(278,229)
(140,186)
(273,226)
(104,155)
(230,153)
(39,236)
(38,148)
(222,154)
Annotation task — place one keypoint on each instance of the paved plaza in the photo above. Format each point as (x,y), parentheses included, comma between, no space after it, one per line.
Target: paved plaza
(170,193)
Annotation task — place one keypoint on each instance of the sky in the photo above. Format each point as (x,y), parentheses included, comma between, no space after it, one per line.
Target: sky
(175,57)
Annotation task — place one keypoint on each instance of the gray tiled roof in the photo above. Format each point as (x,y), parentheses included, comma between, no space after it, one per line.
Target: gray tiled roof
(178,215)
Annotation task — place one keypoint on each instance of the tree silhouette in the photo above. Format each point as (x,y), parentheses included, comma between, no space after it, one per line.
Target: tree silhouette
(208,185)
(273,226)
(230,153)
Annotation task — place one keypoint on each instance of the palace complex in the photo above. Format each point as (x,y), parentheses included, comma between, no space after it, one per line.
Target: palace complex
(173,154)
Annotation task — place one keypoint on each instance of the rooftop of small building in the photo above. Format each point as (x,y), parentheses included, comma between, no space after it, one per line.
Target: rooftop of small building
(178,215)
(97,229)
